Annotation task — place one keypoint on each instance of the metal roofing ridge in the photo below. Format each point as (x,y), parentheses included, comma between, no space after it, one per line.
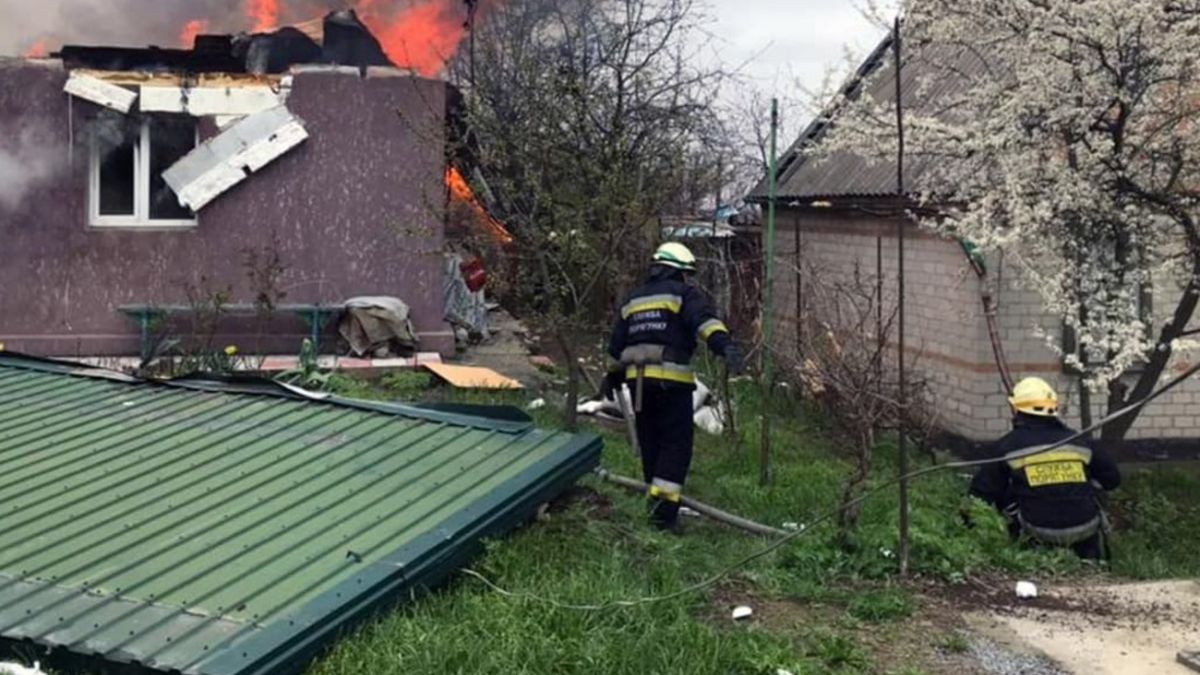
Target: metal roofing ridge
(256,386)
(793,157)
(279,645)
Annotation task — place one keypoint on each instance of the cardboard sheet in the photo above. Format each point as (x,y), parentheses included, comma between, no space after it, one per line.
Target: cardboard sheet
(469,377)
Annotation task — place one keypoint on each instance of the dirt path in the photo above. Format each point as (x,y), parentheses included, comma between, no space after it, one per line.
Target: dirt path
(506,352)
(1126,629)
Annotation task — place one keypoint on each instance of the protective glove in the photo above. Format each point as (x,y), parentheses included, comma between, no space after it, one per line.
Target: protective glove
(734,359)
(612,383)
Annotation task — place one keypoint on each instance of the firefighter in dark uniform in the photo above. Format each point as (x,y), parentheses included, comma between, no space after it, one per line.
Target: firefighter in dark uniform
(652,345)
(1052,497)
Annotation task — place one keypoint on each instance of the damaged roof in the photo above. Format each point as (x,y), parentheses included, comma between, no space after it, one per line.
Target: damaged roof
(228,528)
(339,39)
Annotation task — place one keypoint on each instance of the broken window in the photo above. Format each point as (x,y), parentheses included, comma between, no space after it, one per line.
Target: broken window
(127,162)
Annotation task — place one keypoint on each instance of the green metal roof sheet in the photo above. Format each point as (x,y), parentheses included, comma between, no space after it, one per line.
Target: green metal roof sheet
(213,528)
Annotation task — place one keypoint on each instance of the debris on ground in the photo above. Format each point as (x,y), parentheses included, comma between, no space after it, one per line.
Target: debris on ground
(709,413)
(742,612)
(472,377)
(447,479)
(536,404)
(1190,659)
(1026,589)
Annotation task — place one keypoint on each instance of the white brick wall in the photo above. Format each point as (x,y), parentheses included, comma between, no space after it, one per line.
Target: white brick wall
(946,332)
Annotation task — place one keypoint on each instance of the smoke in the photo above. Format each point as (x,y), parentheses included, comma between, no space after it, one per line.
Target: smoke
(134,23)
(25,164)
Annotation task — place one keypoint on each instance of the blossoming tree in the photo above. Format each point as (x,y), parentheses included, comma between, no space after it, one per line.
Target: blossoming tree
(1067,134)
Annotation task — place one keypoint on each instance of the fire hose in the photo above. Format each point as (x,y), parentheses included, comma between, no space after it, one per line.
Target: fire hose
(975,258)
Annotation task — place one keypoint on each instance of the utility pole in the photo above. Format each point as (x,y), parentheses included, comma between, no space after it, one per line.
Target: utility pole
(768,311)
(901,226)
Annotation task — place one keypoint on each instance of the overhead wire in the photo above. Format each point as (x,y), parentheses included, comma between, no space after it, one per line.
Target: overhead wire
(810,526)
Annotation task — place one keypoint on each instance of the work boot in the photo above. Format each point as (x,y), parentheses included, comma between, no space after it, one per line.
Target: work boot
(664,515)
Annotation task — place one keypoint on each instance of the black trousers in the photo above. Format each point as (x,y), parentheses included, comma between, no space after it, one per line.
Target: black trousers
(1091,548)
(666,432)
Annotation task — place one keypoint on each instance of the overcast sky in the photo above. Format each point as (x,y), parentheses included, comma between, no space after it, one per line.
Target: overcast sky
(791,40)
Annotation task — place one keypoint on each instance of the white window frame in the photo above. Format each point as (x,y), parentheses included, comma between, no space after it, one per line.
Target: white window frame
(141,190)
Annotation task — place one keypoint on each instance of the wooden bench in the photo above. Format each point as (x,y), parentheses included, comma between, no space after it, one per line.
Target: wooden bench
(317,316)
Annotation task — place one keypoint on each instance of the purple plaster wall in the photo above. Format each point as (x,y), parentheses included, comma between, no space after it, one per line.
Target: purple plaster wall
(356,210)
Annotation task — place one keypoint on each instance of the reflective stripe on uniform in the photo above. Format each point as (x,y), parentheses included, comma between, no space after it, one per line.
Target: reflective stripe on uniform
(1063,536)
(711,326)
(1019,459)
(666,490)
(672,372)
(645,303)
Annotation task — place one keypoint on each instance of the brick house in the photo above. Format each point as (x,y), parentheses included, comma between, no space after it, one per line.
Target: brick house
(842,214)
(149,172)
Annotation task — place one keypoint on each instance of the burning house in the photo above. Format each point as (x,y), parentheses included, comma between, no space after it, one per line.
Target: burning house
(286,170)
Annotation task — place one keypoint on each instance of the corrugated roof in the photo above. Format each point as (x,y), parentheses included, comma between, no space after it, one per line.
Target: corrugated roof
(201,528)
(929,77)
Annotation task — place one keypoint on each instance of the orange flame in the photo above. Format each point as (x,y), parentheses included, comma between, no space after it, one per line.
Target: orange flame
(418,34)
(264,13)
(38,50)
(421,36)
(461,191)
(187,36)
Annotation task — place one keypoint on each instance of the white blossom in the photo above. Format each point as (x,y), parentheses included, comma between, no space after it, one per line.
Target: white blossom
(1065,132)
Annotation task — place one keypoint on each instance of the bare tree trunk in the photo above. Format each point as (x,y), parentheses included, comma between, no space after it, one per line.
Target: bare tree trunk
(1116,430)
(727,399)
(1085,403)
(848,513)
(571,414)
(764,450)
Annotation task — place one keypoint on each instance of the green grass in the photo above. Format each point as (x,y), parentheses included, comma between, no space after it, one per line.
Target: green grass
(593,553)
(1157,513)
(955,643)
(880,605)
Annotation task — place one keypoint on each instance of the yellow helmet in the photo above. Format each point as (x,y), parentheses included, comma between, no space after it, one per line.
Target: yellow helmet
(673,254)
(1034,396)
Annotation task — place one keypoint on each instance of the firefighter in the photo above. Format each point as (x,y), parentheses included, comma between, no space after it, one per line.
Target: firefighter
(1051,497)
(651,347)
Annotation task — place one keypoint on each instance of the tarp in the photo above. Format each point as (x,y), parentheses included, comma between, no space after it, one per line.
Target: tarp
(372,325)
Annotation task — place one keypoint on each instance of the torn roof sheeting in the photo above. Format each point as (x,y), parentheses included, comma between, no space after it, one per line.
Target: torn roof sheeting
(212,101)
(100,92)
(230,529)
(226,159)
